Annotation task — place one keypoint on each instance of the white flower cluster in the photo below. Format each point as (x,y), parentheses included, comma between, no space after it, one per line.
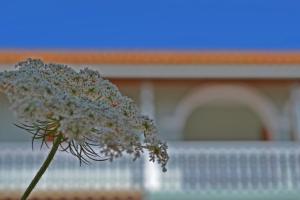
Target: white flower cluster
(83,106)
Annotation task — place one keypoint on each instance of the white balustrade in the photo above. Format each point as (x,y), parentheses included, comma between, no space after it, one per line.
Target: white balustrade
(193,166)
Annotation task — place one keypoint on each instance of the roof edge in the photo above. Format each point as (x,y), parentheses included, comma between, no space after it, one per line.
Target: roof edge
(153,57)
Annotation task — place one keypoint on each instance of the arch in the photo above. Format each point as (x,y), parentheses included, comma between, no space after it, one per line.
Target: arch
(241,94)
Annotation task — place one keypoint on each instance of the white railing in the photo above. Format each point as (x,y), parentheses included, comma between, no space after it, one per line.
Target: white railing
(233,166)
(193,166)
(18,165)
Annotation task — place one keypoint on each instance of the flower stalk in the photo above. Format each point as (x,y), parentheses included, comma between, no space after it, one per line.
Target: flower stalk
(44,167)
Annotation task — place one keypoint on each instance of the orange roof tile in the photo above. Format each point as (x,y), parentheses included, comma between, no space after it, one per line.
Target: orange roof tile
(94,57)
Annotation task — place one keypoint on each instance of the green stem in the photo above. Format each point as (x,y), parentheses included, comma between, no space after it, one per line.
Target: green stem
(44,167)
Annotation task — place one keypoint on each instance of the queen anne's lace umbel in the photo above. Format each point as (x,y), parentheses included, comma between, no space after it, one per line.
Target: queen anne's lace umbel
(88,110)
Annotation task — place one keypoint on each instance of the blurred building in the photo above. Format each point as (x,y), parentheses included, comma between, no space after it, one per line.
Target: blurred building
(199,96)
(221,79)
(232,121)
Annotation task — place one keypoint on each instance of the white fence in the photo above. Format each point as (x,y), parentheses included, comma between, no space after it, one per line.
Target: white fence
(193,166)
(233,167)
(18,165)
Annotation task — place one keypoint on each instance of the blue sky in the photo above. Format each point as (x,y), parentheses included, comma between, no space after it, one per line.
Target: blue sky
(151,25)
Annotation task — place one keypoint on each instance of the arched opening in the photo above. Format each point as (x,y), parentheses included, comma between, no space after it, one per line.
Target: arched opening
(224,121)
(229,112)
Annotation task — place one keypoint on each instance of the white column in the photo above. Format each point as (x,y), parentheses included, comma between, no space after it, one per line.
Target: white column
(286,117)
(151,171)
(295,109)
